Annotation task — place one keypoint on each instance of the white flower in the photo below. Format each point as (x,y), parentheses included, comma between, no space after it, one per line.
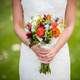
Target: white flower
(54,17)
(47,26)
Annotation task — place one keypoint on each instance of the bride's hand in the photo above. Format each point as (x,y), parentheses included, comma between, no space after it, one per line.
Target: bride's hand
(47,58)
(39,51)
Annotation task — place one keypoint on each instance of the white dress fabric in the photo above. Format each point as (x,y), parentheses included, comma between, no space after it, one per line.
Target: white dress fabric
(29,63)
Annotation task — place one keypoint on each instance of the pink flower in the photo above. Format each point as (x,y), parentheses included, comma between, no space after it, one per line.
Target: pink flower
(54,24)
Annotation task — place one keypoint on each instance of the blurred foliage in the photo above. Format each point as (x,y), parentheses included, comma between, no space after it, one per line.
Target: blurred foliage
(78,4)
(9,56)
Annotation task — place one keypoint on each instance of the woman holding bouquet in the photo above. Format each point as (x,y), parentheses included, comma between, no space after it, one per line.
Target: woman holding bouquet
(44,52)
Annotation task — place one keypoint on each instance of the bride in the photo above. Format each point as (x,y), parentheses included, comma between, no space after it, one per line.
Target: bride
(58,55)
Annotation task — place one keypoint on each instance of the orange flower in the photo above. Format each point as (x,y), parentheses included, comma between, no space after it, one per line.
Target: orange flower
(48,17)
(56,32)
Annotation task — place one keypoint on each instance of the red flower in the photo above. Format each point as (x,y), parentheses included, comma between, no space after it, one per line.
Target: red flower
(29,34)
(54,24)
(40,31)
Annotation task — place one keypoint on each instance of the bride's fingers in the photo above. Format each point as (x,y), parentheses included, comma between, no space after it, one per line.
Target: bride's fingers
(44,61)
(44,56)
(41,55)
(43,52)
(38,49)
(49,59)
(49,55)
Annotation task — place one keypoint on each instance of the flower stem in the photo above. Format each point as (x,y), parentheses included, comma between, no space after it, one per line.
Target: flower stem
(45,68)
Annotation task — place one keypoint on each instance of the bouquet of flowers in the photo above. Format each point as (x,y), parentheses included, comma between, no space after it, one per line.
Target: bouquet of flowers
(41,29)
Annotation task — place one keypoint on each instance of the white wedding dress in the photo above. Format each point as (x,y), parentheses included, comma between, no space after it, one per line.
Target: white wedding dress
(29,63)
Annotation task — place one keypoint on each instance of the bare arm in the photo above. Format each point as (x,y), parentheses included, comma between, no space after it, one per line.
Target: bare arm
(64,37)
(70,20)
(18,20)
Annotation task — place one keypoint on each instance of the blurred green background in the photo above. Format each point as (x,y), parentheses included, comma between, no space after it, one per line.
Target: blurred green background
(9,45)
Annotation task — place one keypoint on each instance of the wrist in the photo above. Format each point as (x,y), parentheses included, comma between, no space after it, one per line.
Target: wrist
(54,50)
(27,42)
(30,45)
